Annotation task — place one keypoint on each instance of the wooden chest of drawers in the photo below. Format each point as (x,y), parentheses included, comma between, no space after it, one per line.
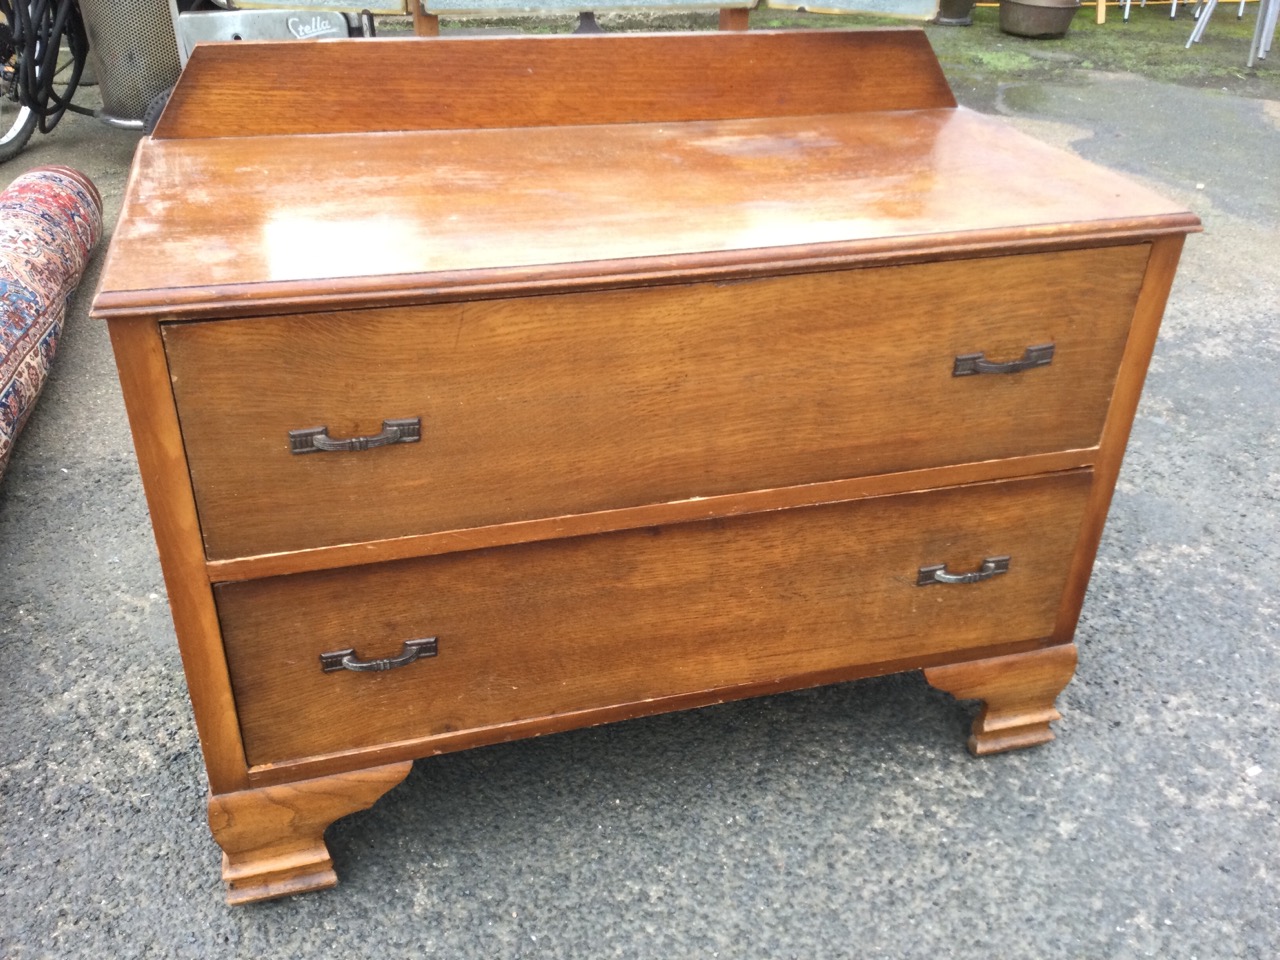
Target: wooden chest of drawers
(583,378)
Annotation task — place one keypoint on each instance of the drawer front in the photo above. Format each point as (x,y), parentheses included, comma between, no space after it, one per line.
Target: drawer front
(538,630)
(556,405)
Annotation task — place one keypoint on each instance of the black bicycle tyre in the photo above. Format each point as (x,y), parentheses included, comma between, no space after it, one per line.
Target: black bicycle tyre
(13,140)
(15,132)
(43,81)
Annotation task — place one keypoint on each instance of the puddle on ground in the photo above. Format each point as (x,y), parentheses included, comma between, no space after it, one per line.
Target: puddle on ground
(1123,121)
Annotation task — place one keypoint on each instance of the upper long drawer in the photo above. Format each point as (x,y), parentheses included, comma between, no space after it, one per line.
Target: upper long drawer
(557,405)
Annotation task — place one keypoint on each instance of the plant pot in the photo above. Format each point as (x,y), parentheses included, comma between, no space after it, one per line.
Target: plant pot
(955,13)
(1039,19)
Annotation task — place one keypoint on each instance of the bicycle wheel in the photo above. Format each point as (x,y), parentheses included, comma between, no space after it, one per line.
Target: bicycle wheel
(18,132)
(17,122)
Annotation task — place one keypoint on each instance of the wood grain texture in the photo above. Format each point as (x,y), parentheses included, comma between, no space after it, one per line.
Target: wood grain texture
(647,515)
(1018,694)
(544,629)
(357,219)
(559,405)
(258,88)
(288,771)
(273,837)
(144,382)
(1157,282)
(679,315)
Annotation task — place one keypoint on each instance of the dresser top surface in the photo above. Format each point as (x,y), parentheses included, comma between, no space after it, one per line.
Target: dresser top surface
(238,212)
(262,220)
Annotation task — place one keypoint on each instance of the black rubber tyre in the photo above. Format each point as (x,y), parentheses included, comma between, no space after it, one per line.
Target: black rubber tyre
(154,109)
(33,41)
(16,122)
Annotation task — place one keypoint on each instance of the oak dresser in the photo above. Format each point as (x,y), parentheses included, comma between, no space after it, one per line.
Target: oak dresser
(516,385)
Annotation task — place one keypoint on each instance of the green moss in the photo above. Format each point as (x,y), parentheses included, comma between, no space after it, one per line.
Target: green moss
(1150,45)
(1002,61)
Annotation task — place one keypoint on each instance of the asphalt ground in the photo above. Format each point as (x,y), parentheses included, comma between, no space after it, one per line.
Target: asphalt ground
(841,822)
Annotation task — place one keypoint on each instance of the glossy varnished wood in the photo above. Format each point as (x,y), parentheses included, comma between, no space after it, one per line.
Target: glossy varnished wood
(250,89)
(591,623)
(679,315)
(591,402)
(369,219)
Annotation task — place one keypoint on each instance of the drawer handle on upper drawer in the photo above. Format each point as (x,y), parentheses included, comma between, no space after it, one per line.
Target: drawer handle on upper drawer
(347,660)
(317,439)
(968,364)
(937,574)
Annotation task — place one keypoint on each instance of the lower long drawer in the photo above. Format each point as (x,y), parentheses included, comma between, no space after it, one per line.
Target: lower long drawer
(542,629)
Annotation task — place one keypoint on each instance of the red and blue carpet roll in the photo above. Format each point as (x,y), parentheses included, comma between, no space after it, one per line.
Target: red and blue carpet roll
(50,219)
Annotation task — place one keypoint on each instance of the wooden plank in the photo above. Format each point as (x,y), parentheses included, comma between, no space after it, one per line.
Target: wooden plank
(144,381)
(735,18)
(274,89)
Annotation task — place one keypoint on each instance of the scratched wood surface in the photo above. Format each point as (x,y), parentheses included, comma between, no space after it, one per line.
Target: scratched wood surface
(275,223)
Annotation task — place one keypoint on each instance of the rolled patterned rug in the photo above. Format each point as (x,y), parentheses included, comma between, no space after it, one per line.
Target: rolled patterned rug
(50,219)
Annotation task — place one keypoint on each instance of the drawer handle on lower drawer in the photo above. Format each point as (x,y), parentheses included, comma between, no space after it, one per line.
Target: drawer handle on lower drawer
(317,439)
(968,364)
(937,574)
(347,660)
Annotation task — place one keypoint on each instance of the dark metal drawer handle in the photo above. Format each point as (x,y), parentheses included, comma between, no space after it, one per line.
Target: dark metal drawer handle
(317,439)
(968,364)
(347,660)
(937,574)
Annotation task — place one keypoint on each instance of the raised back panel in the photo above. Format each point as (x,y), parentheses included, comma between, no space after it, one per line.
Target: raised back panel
(353,86)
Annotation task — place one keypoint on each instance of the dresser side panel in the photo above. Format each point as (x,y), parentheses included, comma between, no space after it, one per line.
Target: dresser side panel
(157,439)
(1157,282)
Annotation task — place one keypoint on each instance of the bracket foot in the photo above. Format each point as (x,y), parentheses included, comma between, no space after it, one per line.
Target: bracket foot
(1018,693)
(273,837)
